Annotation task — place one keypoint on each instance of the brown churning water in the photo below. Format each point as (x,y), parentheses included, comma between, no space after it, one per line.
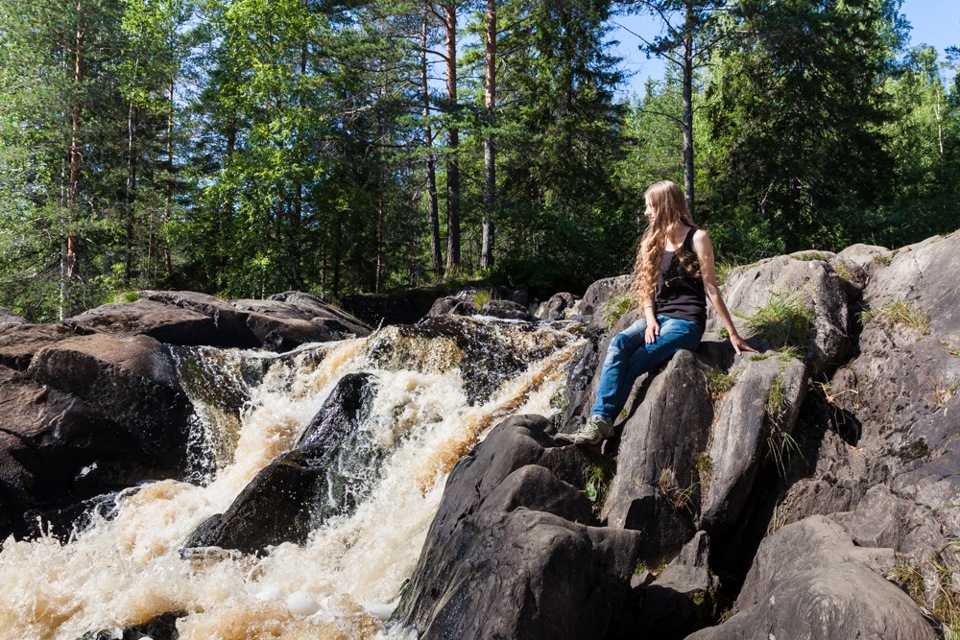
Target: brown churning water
(342,584)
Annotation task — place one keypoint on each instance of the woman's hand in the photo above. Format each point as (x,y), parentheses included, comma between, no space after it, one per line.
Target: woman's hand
(653,330)
(739,344)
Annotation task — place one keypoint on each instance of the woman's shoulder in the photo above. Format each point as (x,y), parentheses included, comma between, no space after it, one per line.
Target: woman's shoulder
(701,241)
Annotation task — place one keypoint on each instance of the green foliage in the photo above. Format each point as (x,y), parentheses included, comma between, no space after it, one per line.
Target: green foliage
(597,477)
(811,113)
(482,296)
(785,321)
(246,147)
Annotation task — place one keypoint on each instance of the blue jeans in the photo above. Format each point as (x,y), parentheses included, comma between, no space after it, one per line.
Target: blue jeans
(629,355)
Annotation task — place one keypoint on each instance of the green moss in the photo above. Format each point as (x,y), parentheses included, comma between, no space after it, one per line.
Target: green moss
(614,309)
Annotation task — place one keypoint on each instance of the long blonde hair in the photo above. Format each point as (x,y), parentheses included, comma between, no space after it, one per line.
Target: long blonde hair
(666,198)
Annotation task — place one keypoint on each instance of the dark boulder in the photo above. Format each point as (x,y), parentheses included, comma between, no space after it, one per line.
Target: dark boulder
(19,342)
(681,599)
(324,475)
(9,319)
(810,581)
(754,426)
(506,310)
(164,323)
(772,283)
(655,489)
(557,307)
(452,306)
(507,553)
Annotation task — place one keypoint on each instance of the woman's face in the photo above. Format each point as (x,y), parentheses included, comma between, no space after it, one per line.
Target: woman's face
(650,212)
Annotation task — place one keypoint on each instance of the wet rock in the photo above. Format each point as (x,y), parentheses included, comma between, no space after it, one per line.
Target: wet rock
(324,475)
(810,581)
(506,554)
(57,449)
(817,286)
(128,380)
(452,306)
(292,319)
(162,627)
(754,425)
(506,310)
(281,323)
(656,486)
(556,307)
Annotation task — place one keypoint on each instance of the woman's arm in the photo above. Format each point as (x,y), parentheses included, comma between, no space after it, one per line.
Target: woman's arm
(708,270)
(650,314)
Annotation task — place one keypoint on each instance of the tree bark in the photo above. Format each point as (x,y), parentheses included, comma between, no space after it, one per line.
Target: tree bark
(489,150)
(69,253)
(688,110)
(453,142)
(433,209)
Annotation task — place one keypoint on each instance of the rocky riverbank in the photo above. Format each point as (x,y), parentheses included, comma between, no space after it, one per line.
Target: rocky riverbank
(810,490)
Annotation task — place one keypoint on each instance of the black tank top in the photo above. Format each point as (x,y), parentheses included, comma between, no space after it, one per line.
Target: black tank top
(680,294)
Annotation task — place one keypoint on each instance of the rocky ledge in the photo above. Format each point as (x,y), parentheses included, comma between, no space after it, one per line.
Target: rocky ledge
(808,491)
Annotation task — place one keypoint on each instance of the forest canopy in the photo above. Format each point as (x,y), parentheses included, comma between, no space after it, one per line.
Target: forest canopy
(248,147)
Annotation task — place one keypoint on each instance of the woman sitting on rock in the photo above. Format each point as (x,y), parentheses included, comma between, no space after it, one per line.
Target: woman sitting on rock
(675,273)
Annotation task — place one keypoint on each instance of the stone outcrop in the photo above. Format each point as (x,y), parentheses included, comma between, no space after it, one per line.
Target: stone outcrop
(805,279)
(510,549)
(95,403)
(810,581)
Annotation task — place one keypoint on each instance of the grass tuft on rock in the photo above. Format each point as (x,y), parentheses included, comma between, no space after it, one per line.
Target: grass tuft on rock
(899,313)
(785,321)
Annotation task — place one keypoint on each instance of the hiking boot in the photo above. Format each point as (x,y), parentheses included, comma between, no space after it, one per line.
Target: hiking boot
(594,431)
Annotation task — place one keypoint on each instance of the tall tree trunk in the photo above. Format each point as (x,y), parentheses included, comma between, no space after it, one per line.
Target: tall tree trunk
(168,195)
(433,209)
(130,196)
(453,142)
(69,254)
(489,151)
(688,109)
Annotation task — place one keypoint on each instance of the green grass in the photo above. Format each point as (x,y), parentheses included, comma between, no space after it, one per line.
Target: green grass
(614,309)
(126,297)
(598,473)
(899,313)
(719,382)
(945,599)
(481,297)
(781,444)
(881,260)
(786,320)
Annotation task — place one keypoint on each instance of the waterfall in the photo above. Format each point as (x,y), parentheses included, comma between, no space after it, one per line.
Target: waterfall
(440,386)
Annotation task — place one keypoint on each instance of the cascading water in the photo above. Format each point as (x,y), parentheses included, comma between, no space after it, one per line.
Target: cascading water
(439,387)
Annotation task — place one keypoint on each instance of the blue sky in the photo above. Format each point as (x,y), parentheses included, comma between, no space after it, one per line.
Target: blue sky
(933,22)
